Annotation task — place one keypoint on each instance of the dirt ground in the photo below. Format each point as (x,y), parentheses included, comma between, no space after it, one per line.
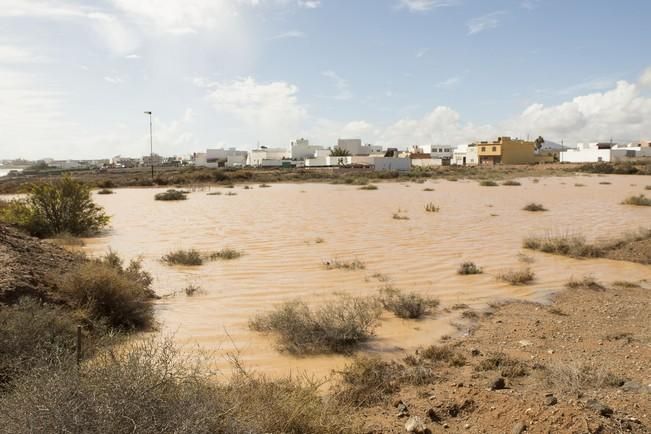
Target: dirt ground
(586,362)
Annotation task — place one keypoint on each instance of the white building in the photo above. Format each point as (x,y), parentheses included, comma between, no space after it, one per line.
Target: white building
(436,151)
(587,153)
(221,158)
(301,149)
(329,161)
(257,156)
(355,147)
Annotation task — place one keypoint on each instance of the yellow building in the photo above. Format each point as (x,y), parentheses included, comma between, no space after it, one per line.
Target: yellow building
(506,150)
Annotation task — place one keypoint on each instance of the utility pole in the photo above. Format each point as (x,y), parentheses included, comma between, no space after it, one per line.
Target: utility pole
(151,146)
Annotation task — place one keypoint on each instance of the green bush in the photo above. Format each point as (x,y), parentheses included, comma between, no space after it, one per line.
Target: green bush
(112,294)
(337,326)
(61,206)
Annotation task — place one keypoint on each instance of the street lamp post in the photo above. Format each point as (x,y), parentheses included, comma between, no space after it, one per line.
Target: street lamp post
(151,146)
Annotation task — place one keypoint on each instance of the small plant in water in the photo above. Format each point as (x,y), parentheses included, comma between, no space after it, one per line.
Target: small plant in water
(171,195)
(488,183)
(430,207)
(511,182)
(469,268)
(335,264)
(428,189)
(189,257)
(406,306)
(264,186)
(368,187)
(517,277)
(398,215)
(192,290)
(640,200)
(105,191)
(534,207)
(225,253)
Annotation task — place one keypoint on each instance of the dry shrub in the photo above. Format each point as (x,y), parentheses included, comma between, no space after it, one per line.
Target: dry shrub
(190,257)
(192,290)
(511,183)
(369,380)
(488,183)
(171,194)
(33,335)
(105,191)
(110,293)
(517,277)
(406,306)
(431,207)
(226,254)
(640,200)
(587,282)
(469,268)
(507,366)
(443,353)
(566,245)
(534,207)
(580,376)
(369,187)
(337,326)
(336,264)
(626,284)
(148,387)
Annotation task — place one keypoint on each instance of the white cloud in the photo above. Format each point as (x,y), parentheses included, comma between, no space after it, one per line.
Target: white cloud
(341,85)
(270,111)
(425,5)
(113,80)
(449,83)
(485,22)
(132,56)
(530,4)
(11,54)
(290,34)
(645,78)
(309,4)
(421,52)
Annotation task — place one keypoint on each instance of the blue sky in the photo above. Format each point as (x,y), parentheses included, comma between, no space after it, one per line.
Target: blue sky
(76,76)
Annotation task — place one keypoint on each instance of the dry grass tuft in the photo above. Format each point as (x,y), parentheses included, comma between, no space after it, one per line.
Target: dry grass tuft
(469,268)
(406,306)
(336,264)
(587,282)
(368,187)
(189,257)
(517,277)
(640,200)
(534,207)
(508,367)
(579,377)
(226,254)
(430,207)
(511,183)
(488,183)
(171,195)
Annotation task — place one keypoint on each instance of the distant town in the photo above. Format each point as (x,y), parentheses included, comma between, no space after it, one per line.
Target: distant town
(353,153)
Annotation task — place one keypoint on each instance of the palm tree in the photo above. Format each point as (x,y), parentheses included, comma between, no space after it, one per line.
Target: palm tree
(339,152)
(539,142)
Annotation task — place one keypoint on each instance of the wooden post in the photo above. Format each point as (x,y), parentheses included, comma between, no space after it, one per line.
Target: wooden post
(78,347)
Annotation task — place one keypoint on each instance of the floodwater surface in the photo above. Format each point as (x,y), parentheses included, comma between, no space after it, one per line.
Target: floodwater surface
(278,228)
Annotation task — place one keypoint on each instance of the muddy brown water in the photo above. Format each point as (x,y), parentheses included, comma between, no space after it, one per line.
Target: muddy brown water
(277,229)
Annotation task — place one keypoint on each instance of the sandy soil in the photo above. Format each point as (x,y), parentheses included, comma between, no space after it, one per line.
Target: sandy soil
(606,331)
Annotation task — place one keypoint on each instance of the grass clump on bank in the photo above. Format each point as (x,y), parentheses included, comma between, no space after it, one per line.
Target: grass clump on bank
(55,207)
(337,326)
(171,194)
(488,183)
(369,187)
(566,245)
(517,277)
(640,200)
(190,257)
(430,207)
(511,182)
(407,306)
(534,207)
(112,294)
(336,264)
(226,254)
(469,268)
(398,215)
(105,191)
(587,282)
(508,367)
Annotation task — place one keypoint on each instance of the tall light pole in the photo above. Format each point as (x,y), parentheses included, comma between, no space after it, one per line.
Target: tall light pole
(151,146)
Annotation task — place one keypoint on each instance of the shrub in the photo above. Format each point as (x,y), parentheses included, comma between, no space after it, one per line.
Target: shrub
(335,264)
(264,186)
(189,257)
(225,253)
(337,326)
(214,193)
(428,189)
(648,187)
(430,207)
(192,290)
(469,268)
(111,294)
(517,277)
(367,380)
(566,245)
(368,187)
(640,200)
(33,335)
(511,182)
(105,191)
(443,353)
(488,183)
(605,183)
(406,306)
(508,367)
(399,216)
(580,376)
(587,282)
(149,386)
(171,194)
(534,207)
(51,208)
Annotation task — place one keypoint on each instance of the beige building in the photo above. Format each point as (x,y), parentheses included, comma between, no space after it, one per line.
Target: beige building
(506,150)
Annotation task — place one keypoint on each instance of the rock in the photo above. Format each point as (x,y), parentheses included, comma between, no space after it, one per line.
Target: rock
(414,424)
(466,426)
(631,386)
(551,400)
(475,352)
(525,343)
(433,416)
(403,410)
(599,408)
(498,384)
(519,428)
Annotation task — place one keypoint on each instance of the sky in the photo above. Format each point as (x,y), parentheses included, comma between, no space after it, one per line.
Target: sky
(76,76)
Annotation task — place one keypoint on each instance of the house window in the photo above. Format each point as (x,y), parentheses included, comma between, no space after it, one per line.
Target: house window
(483,148)
(494,148)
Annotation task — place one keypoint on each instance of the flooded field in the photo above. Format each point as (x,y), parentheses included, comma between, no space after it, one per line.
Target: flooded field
(288,230)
